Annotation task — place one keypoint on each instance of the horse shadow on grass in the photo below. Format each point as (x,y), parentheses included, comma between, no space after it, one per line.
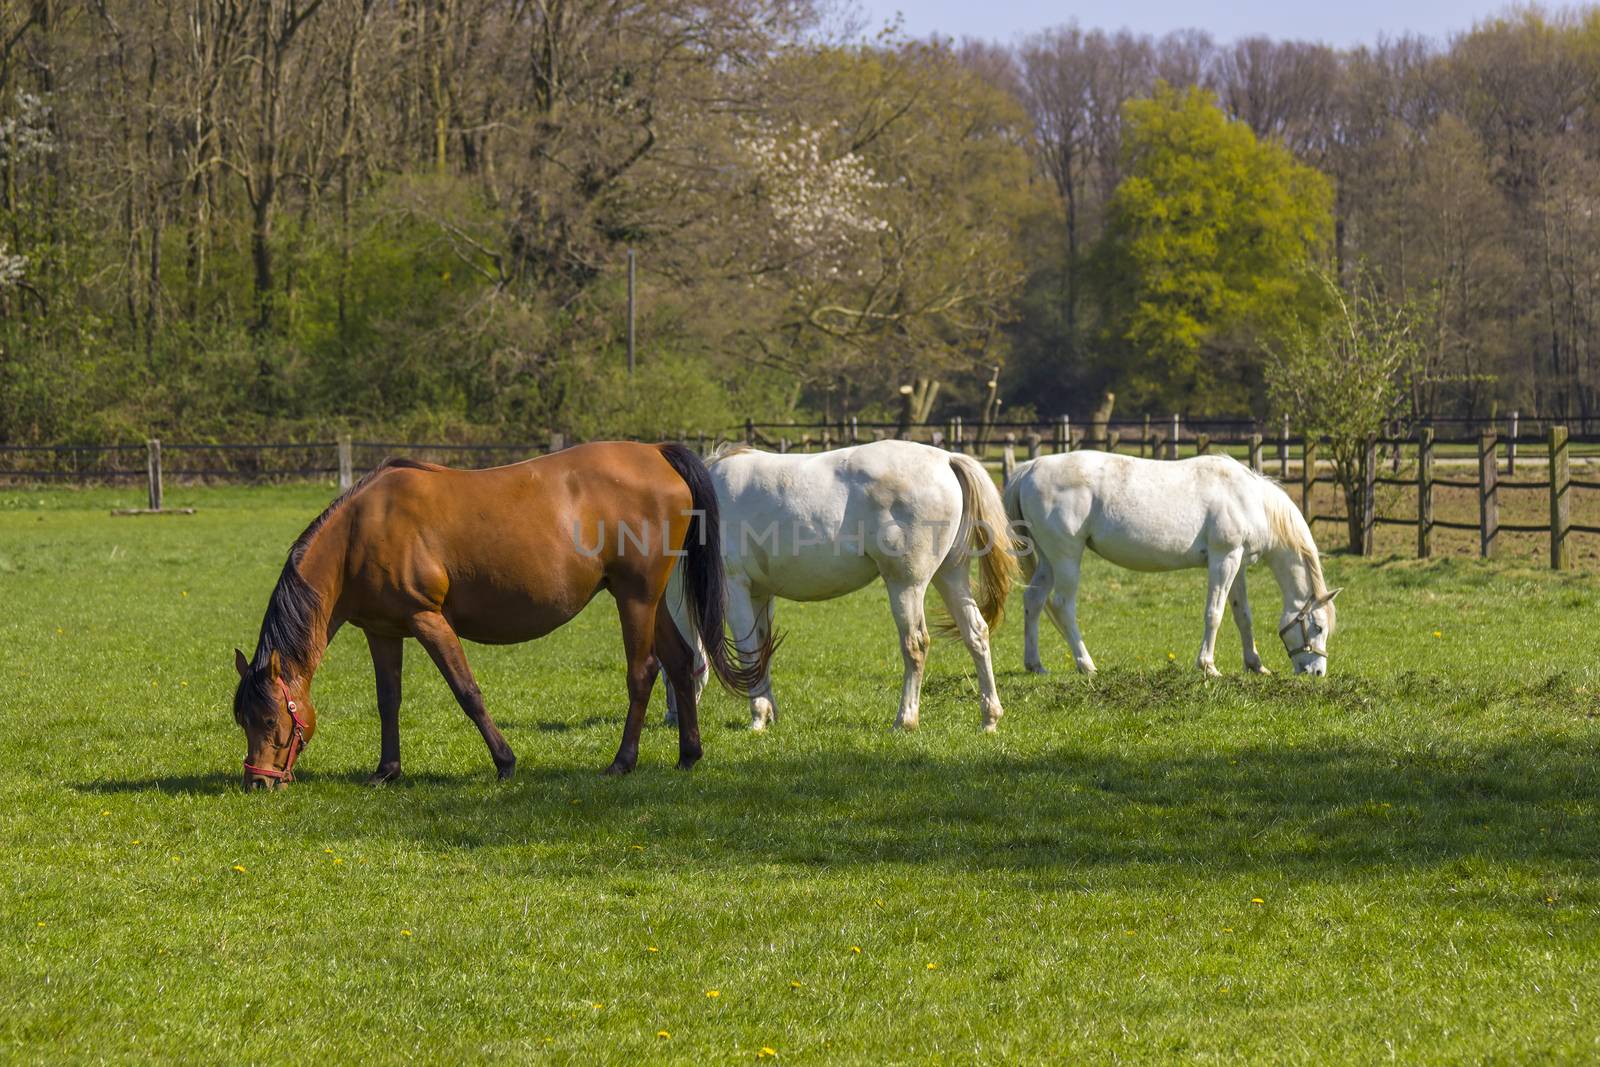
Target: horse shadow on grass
(1317,810)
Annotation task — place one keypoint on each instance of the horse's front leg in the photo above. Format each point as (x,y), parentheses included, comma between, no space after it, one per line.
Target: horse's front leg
(1222,571)
(435,635)
(905,601)
(1239,604)
(387,657)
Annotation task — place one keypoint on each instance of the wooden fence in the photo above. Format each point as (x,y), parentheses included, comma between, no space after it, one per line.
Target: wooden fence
(1421,463)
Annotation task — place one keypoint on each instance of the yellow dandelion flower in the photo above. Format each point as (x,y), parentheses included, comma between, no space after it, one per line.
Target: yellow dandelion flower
(239,867)
(713,993)
(405,933)
(137,841)
(933,966)
(597,1006)
(1227,929)
(766,1051)
(651,948)
(794,984)
(105,813)
(327,850)
(1224,989)
(856,949)
(39,923)
(637,848)
(879,902)
(183,592)
(1438,633)
(1257,900)
(1172,655)
(663,1034)
(337,861)
(1127,933)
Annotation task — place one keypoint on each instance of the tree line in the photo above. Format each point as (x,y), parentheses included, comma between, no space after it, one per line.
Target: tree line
(225,218)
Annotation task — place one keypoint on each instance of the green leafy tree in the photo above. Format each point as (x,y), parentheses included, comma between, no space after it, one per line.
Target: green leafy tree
(1205,255)
(1350,376)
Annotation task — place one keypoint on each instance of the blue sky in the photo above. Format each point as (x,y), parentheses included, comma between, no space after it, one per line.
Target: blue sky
(1347,22)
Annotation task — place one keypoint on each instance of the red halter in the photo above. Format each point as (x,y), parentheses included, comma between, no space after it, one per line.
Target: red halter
(296,743)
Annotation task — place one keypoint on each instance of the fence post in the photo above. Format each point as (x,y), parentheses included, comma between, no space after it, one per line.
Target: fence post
(153,465)
(347,463)
(1063,434)
(1560,503)
(1511,445)
(1202,443)
(749,432)
(783,444)
(1033,446)
(904,430)
(1255,452)
(1283,451)
(1144,438)
(1369,495)
(558,441)
(1008,459)
(853,430)
(1308,477)
(1172,445)
(1488,501)
(1425,492)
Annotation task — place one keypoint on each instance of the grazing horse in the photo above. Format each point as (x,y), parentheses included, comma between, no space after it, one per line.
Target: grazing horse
(817,526)
(496,556)
(1148,515)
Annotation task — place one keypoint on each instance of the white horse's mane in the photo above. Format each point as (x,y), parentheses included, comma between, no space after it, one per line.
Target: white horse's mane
(1290,530)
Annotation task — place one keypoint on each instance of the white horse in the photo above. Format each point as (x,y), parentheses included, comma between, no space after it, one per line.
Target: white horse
(1148,515)
(817,526)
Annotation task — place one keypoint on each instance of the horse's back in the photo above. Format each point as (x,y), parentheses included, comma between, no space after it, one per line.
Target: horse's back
(509,553)
(833,513)
(1145,514)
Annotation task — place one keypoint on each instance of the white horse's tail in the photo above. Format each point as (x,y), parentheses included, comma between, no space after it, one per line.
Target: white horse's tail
(1013,503)
(983,532)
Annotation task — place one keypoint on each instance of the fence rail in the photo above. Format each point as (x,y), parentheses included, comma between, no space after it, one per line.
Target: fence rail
(998,444)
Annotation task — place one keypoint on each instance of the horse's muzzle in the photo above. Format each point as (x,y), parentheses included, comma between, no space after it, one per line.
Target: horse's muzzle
(255,782)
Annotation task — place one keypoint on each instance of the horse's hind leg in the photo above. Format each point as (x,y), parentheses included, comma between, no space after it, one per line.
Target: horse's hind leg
(677,659)
(1239,603)
(435,635)
(638,613)
(387,656)
(750,621)
(1063,607)
(955,587)
(1033,598)
(905,601)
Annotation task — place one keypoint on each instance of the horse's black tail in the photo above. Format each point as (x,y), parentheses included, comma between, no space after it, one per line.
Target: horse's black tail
(704,584)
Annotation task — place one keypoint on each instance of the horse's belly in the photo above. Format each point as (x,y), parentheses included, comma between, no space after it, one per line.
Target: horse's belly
(1139,555)
(816,575)
(507,619)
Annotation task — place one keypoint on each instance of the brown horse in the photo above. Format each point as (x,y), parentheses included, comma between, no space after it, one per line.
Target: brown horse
(496,556)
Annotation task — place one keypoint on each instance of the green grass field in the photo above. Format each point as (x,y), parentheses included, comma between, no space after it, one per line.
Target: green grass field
(1401,861)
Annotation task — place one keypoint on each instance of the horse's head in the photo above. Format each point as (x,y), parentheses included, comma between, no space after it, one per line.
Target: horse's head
(277,717)
(1305,634)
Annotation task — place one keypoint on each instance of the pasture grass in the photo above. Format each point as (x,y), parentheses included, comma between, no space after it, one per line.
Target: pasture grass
(1397,861)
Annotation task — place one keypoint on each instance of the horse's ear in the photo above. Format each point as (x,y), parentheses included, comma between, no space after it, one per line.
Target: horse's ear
(1334,592)
(240,664)
(274,668)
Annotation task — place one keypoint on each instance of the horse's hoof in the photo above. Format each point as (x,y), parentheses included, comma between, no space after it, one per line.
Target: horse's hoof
(758,725)
(1210,670)
(1259,668)
(1036,668)
(384,774)
(507,770)
(687,764)
(991,727)
(616,770)
(908,725)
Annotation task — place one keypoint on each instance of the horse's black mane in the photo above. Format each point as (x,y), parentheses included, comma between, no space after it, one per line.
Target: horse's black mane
(286,628)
